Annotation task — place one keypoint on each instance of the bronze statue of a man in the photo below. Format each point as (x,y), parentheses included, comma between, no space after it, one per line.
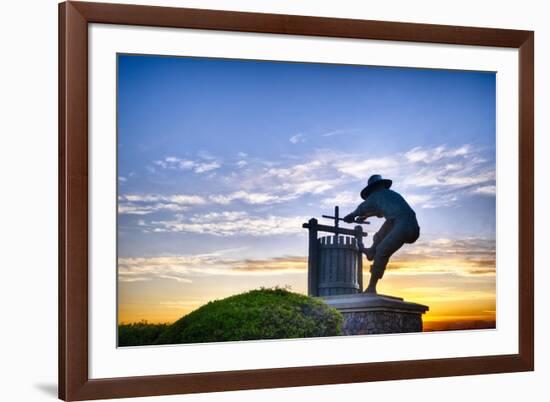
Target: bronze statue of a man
(399,228)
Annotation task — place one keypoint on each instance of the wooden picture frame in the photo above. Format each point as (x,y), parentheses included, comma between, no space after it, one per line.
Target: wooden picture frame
(74,381)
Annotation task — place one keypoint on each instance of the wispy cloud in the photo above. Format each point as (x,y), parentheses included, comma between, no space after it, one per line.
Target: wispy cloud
(297,138)
(247,197)
(428,177)
(206,167)
(230,223)
(468,247)
(332,133)
(179,268)
(342,199)
(136,204)
(420,154)
(467,256)
(418,199)
(143,204)
(360,167)
(176,198)
(311,177)
(198,166)
(184,268)
(486,190)
(433,177)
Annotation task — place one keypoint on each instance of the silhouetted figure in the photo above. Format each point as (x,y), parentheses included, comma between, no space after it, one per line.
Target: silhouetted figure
(399,228)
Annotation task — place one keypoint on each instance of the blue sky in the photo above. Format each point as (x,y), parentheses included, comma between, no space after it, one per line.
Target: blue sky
(220,161)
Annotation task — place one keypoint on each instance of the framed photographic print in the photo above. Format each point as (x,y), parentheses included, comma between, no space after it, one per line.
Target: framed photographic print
(259,200)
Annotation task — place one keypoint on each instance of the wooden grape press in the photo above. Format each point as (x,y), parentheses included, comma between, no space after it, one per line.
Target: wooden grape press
(335,262)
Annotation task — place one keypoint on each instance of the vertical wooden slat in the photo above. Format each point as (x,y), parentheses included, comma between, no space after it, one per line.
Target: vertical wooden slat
(322,265)
(359,238)
(312,259)
(338,267)
(349,262)
(345,261)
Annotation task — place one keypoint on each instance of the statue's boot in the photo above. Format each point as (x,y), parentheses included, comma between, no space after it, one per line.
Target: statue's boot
(371,288)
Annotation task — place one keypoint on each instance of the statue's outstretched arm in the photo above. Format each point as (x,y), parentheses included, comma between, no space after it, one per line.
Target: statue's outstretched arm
(363,210)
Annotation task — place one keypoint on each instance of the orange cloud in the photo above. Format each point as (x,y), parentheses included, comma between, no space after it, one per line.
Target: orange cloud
(272,264)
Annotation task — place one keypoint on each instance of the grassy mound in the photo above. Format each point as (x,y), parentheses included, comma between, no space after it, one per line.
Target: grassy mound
(139,333)
(258,314)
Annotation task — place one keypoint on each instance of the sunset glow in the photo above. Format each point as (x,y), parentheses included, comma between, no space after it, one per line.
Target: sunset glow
(456,290)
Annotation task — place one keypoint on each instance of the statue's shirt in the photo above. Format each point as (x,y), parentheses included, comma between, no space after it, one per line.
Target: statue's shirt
(386,203)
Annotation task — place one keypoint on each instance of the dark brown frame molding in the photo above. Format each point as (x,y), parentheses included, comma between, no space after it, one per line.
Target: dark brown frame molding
(74,17)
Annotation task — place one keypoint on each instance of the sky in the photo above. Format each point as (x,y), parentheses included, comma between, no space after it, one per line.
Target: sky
(221,161)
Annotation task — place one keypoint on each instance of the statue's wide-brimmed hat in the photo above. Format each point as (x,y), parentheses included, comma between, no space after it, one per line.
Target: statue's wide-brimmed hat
(375,181)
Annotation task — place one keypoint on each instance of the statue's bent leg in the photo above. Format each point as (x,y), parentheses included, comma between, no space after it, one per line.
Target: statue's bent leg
(384,230)
(400,233)
(392,242)
(378,238)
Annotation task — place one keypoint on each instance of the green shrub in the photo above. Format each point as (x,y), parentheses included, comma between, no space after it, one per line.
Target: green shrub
(258,314)
(139,333)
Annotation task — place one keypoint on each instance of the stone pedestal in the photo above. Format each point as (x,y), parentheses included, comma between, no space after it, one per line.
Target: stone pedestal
(377,314)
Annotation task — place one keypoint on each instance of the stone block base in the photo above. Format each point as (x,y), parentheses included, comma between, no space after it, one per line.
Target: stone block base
(377,314)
